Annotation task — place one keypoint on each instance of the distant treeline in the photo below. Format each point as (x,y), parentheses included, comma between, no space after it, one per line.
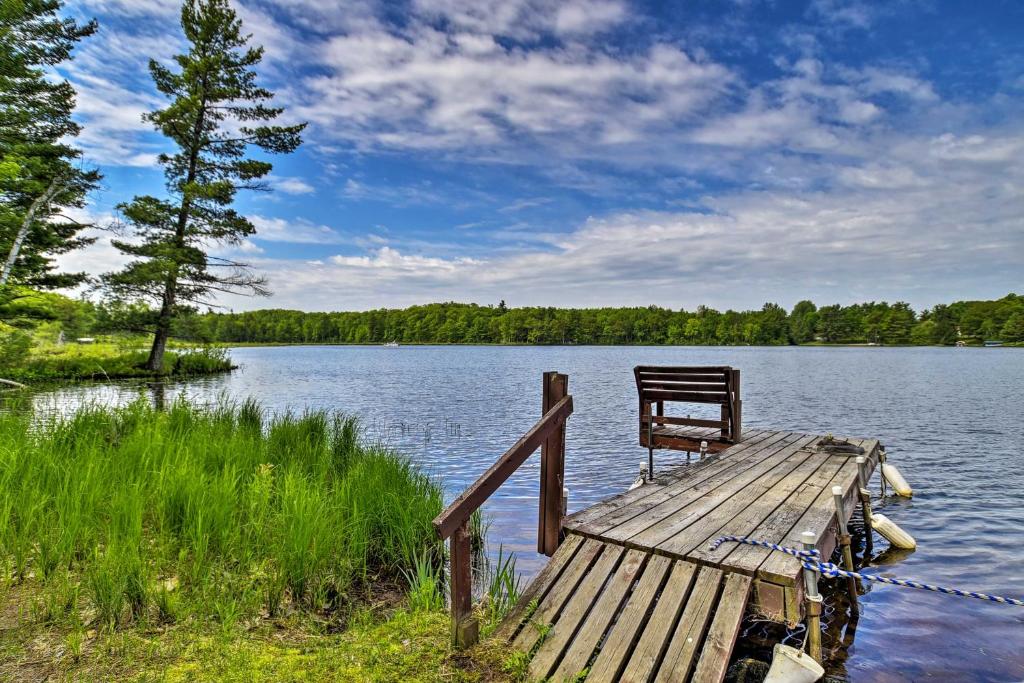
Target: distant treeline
(446,323)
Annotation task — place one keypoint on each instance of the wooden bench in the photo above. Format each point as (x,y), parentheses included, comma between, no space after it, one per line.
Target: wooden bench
(657,385)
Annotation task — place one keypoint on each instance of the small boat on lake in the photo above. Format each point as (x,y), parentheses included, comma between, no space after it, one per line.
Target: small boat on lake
(391,345)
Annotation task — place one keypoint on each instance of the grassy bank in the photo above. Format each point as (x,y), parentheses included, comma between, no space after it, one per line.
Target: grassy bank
(214,540)
(27,360)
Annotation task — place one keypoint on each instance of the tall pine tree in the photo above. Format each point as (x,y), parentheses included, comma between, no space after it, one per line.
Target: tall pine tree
(217,112)
(41,173)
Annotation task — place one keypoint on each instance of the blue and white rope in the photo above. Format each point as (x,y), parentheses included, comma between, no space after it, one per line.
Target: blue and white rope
(811,560)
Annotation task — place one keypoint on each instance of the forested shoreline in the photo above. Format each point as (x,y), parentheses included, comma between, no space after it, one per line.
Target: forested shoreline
(456,323)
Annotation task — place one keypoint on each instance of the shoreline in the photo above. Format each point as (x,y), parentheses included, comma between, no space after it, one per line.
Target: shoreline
(244,345)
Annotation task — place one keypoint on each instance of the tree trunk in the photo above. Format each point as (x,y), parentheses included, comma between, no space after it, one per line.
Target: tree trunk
(30,215)
(155,362)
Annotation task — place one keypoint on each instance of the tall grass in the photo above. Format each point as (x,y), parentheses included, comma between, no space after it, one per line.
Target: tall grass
(219,512)
(106,361)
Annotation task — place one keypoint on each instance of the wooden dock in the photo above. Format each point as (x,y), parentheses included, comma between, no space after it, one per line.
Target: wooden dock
(633,590)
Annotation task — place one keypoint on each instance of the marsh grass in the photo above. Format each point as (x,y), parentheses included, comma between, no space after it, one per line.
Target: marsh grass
(124,358)
(132,514)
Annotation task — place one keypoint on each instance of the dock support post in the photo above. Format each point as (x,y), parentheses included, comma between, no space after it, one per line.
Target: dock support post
(865,501)
(809,540)
(844,541)
(881,461)
(465,629)
(552,469)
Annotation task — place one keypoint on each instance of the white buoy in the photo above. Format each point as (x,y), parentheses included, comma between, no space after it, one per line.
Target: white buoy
(892,533)
(790,665)
(896,480)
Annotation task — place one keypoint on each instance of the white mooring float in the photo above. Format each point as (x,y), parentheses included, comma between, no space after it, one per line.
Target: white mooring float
(891,531)
(790,665)
(896,480)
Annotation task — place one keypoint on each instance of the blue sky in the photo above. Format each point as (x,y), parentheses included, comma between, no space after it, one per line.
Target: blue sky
(605,152)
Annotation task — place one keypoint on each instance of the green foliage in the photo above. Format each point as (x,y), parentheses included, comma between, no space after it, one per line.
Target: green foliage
(874,322)
(37,161)
(100,361)
(14,347)
(1013,328)
(504,585)
(199,511)
(426,588)
(215,114)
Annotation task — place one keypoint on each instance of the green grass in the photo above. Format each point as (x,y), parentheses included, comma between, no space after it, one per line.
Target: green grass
(221,543)
(395,645)
(118,359)
(242,515)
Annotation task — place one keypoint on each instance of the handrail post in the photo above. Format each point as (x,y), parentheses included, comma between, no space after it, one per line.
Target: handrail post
(453,522)
(465,629)
(552,468)
(737,408)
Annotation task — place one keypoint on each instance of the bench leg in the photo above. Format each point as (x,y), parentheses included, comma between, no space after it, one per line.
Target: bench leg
(650,449)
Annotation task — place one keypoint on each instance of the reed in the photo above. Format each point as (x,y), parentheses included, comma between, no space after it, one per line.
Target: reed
(220,512)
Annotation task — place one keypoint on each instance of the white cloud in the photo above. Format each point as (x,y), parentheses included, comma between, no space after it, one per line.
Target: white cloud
(525,19)
(904,229)
(291,185)
(425,90)
(297,231)
(391,262)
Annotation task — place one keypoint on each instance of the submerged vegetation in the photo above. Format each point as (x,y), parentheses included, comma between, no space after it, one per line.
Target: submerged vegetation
(221,542)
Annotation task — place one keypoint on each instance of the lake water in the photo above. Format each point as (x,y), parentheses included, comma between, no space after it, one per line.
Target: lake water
(951,419)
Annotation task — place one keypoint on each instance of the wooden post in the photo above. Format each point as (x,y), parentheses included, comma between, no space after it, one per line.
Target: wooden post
(465,629)
(737,408)
(881,462)
(844,541)
(865,502)
(552,468)
(809,540)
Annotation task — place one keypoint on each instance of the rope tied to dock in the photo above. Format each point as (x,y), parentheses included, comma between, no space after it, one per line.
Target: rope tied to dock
(811,560)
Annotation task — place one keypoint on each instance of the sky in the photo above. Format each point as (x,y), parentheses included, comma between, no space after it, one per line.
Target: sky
(603,152)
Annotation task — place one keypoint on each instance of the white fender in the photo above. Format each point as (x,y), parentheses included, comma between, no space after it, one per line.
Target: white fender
(895,535)
(896,480)
(790,665)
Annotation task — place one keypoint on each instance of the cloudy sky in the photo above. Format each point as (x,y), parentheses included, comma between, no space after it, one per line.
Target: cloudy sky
(606,152)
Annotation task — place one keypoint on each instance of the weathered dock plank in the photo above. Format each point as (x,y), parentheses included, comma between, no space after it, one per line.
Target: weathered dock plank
(628,504)
(623,637)
(684,646)
(575,611)
(652,644)
(636,593)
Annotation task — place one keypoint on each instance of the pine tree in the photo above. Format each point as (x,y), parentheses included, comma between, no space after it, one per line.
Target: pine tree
(41,174)
(217,112)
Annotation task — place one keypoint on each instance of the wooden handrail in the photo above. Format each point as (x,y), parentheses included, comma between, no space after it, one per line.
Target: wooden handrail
(460,509)
(549,435)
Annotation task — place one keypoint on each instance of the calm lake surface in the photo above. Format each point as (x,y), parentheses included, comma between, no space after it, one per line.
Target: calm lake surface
(951,419)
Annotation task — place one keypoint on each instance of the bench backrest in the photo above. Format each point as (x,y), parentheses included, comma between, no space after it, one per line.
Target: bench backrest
(720,385)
